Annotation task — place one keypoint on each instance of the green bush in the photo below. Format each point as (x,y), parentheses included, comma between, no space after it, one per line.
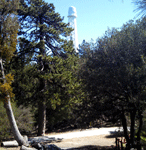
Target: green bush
(23,118)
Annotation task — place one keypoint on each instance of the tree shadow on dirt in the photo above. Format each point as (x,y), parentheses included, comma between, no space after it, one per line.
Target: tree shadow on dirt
(115,134)
(89,147)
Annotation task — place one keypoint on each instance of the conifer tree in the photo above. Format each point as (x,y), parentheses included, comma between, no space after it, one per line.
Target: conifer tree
(8,41)
(141,7)
(42,26)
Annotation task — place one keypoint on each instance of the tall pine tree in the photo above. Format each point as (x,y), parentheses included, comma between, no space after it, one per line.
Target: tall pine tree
(55,57)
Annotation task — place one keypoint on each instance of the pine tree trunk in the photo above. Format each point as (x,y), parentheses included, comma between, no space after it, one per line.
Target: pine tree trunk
(42,110)
(41,104)
(7,104)
(41,119)
(132,130)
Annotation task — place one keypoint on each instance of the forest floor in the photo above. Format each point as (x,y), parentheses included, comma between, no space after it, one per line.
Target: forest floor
(90,142)
(96,142)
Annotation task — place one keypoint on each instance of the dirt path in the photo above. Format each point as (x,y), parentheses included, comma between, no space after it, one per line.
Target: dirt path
(96,140)
(79,140)
(99,140)
(84,133)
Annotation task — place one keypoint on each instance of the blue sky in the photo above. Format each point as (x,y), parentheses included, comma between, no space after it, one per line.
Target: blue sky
(95,16)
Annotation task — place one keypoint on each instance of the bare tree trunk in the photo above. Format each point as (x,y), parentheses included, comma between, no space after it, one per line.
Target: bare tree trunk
(7,104)
(41,118)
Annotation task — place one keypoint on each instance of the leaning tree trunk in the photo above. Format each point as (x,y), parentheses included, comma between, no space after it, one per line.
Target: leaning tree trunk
(18,137)
(7,104)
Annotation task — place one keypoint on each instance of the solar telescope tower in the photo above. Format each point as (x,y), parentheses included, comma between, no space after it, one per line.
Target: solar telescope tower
(72,15)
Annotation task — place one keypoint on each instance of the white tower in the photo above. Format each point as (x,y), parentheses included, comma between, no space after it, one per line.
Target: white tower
(72,15)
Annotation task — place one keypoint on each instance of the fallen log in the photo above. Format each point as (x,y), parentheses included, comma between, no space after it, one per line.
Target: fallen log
(44,139)
(14,143)
(10,144)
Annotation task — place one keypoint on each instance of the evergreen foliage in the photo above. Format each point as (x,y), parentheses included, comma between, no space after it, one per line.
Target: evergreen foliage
(114,76)
(52,81)
(39,21)
(6,88)
(141,7)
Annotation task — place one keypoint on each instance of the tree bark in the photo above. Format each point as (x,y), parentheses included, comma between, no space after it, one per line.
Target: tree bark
(41,118)
(132,130)
(10,144)
(139,130)
(18,137)
(124,124)
(42,106)
(7,104)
